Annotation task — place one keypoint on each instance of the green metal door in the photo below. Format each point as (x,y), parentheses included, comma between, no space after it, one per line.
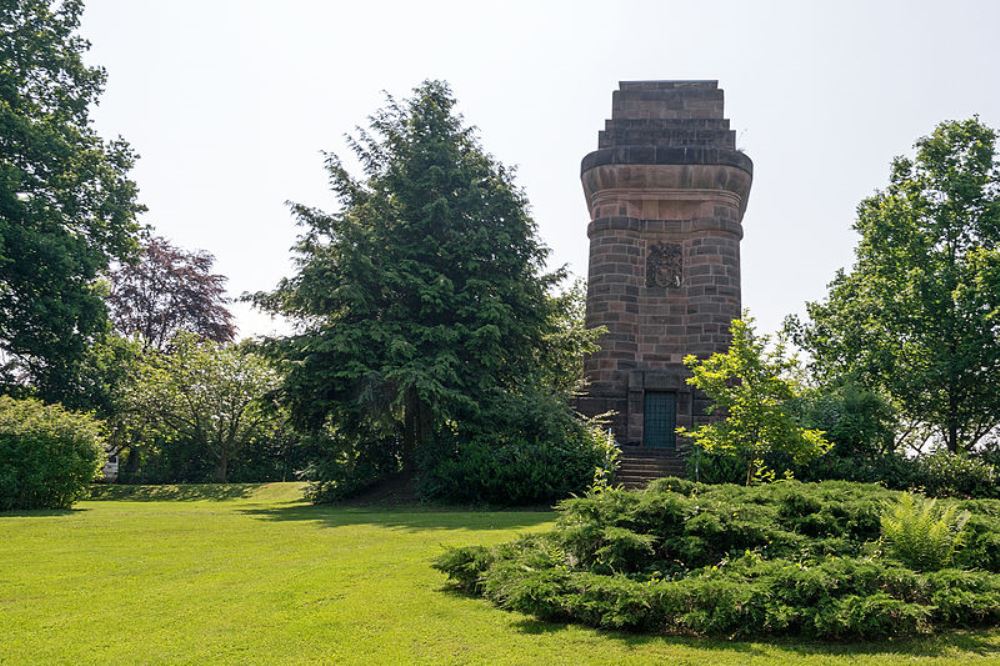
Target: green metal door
(659,415)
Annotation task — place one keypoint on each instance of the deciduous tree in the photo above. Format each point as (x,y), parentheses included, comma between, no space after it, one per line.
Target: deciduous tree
(213,396)
(918,316)
(752,390)
(67,205)
(165,290)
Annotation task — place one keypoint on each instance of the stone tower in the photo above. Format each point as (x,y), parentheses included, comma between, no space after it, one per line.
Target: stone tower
(666,189)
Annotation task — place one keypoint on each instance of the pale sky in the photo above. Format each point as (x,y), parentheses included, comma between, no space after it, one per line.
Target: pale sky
(229,104)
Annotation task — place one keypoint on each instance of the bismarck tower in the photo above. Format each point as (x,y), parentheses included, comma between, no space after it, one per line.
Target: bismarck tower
(666,189)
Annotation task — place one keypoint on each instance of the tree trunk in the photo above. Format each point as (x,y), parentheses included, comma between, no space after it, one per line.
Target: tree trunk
(952,422)
(222,467)
(416,431)
(751,470)
(410,434)
(953,380)
(131,465)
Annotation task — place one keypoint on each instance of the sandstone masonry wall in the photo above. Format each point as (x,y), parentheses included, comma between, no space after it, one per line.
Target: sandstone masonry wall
(666,190)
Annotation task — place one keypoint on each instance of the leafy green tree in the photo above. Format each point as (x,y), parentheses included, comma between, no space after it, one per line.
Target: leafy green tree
(67,206)
(424,297)
(560,358)
(103,375)
(858,421)
(752,392)
(213,397)
(917,316)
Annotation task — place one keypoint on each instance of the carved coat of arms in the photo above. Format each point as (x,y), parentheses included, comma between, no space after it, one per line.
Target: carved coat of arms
(664,265)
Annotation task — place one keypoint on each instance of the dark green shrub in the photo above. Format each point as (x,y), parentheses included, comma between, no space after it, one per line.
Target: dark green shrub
(785,558)
(48,455)
(465,566)
(837,598)
(539,592)
(990,453)
(713,521)
(876,615)
(514,472)
(342,469)
(938,474)
(862,425)
(944,474)
(672,483)
(891,470)
(965,598)
(271,455)
(611,602)
(982,541)
(531,449)
(859,423)
(716,467)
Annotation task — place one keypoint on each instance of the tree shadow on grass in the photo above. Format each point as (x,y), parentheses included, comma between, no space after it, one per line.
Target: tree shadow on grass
(979,642)
(169,493)
(39,513)
(982,642)
(408,517)
(933,646)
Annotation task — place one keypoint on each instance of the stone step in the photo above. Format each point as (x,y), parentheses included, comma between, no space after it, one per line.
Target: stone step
(639,477)
(638,466)
(652,464)
(626,104)
(654,85)
(675,137)
(666,124)
(656,111)
(667,104)
(689,93)
(642,452)
(634,484)
(631,454)
(650,469)
(652,461)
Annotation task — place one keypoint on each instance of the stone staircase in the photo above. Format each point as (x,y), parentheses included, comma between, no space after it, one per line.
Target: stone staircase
(637,467)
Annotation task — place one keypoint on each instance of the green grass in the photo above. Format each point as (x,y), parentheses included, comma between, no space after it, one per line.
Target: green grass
(251,574)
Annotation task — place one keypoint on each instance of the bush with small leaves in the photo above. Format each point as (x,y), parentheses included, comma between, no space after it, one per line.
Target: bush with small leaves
(785,558)
(538,452)
(944,474)
(938,474)
(48,455)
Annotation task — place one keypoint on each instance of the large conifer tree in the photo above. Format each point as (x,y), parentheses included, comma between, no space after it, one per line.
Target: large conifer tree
(424,297)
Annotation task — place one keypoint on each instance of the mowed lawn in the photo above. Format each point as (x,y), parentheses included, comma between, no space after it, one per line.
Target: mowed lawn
(252,575)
